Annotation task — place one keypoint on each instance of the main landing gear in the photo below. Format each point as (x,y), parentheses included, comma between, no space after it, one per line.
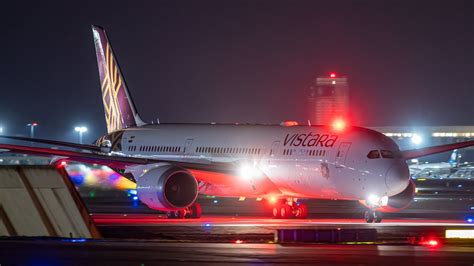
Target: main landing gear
(372,216)
(192,212)
(290,208)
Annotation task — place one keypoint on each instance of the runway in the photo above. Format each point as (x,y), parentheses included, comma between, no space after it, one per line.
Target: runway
(238,232)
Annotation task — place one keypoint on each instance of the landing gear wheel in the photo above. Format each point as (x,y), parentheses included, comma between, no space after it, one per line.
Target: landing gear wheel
(195,211)
(285,211)
(377,217)
(276,212)
(372,216)
(180,214)
(369,217)
(301,211)
(171,215)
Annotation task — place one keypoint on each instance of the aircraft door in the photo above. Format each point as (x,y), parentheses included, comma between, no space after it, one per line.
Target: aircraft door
(187,146)
(274,149)
(342,153)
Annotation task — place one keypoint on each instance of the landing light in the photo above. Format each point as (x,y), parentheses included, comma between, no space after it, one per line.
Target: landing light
(272,200)
(248,171)
(373,200)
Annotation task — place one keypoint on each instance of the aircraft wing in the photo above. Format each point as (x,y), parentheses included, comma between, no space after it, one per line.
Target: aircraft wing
(225,174)
(411,154)
(55,142)
(111,160)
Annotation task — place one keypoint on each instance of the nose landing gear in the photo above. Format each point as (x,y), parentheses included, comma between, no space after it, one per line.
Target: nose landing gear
(372,216)
(290,208)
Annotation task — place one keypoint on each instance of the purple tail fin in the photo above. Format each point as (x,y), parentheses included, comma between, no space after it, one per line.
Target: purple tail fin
(120,112)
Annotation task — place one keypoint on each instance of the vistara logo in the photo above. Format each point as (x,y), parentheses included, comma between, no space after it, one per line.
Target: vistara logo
(310,140)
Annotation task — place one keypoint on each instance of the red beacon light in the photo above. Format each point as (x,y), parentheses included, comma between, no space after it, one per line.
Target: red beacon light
(339,124)
(332,75)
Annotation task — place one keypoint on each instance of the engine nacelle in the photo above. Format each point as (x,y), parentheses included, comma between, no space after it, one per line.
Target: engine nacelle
(167,188)
(400,201)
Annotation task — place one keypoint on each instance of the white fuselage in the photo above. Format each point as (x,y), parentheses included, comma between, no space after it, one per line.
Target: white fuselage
(301,161)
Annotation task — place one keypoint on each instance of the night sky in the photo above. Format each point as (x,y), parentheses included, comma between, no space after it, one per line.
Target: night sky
(252,61)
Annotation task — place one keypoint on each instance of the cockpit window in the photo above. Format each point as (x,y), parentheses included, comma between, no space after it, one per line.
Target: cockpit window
(389,154)
(375,154)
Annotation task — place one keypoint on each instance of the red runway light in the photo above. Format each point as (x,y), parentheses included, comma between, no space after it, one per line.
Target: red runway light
(332,75)
(430,243)
(238,241)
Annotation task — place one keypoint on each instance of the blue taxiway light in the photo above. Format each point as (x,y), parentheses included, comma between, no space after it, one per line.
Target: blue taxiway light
(75,240)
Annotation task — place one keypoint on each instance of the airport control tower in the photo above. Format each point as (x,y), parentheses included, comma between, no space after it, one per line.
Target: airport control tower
(328,99)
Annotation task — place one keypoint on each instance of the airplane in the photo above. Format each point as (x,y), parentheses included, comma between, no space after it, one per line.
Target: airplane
(435,170)
(172,163)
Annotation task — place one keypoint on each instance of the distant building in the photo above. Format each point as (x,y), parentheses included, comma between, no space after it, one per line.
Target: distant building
(328,99)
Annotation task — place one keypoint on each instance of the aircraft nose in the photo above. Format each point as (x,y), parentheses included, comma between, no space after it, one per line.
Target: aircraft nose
(397,177)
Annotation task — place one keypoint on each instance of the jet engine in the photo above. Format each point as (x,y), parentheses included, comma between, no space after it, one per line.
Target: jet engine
(398,202)
(167,188)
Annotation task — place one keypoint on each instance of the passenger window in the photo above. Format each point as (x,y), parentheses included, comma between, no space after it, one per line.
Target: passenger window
(373,154)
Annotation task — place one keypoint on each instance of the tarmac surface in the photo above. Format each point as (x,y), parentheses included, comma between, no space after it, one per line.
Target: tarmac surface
(241,232)
(139,252)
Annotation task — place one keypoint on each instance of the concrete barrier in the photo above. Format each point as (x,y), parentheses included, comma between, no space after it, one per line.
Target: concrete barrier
(42,201)
(341,235)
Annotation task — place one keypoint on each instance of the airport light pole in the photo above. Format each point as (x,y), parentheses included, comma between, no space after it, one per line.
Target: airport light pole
(80,130)
(32,129)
